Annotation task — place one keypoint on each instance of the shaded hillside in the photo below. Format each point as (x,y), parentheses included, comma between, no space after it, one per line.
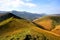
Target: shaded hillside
(1,14)
(8,15)
(49,22)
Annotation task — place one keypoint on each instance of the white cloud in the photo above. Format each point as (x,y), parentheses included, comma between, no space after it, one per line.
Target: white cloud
(28,0)
(13,4)
(30,5)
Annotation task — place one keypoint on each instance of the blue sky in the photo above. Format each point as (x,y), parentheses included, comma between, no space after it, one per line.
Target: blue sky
(34,6)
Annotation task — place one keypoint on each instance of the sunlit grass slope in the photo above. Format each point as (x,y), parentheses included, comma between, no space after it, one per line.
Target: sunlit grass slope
(20,29)
(49,23)
(6,21)
(45,22)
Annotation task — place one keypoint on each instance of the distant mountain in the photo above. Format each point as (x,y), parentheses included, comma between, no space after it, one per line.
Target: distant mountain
(27,15)
(3,11)
(58,14)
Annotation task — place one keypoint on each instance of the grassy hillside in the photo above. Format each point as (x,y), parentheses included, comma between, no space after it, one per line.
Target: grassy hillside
(50,23)
(20,29)
(45,22)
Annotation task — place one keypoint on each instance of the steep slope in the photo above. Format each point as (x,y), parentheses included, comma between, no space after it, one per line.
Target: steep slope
(49,23)
(21,29)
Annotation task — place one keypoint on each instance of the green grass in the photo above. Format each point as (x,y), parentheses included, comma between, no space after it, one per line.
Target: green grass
(5,21)
(56,20)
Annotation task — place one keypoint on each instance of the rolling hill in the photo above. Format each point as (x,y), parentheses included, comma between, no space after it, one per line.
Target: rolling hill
(50,23)
(17,28)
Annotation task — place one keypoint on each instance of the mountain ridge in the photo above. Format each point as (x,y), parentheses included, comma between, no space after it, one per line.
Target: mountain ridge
(8,15)
(26,15)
